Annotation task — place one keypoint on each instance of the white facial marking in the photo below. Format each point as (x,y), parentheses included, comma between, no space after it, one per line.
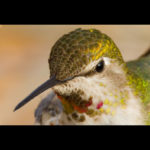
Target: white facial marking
(107,61)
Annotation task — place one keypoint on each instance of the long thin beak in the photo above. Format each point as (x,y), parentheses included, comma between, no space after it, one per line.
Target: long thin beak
(48,84)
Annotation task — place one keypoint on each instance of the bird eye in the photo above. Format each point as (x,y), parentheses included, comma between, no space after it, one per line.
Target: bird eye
(100,66)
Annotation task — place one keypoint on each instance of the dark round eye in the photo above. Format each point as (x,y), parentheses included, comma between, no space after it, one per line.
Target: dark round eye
(100,66)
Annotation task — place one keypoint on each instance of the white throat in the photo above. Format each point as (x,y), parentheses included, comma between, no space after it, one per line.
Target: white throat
(120,106)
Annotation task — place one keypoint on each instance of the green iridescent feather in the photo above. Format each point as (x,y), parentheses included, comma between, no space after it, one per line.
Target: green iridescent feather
(141,73)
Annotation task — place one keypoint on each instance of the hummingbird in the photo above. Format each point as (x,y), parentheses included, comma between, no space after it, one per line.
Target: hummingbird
(92,84)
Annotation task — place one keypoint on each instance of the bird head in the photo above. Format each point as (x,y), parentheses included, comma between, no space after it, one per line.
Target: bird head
(81,64)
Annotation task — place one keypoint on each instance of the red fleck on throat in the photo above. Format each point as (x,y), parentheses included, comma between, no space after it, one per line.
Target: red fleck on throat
(99,105)
(83,109)
(76,107)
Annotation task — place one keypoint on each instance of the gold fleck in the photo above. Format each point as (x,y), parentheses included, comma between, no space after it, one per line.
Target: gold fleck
(108,110)
(101,110)
(113,113)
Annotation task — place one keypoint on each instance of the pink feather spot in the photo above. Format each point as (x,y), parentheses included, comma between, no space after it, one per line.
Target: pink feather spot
(99,105)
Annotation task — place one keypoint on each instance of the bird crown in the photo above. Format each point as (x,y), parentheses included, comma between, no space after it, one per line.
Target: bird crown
(74,51)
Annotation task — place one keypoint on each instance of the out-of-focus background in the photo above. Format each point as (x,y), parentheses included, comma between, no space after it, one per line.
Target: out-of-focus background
(24,53)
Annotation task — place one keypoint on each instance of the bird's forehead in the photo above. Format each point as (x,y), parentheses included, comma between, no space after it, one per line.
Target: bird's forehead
(74,51)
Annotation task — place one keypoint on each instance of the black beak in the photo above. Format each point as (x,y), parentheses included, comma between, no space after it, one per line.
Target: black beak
(48,84)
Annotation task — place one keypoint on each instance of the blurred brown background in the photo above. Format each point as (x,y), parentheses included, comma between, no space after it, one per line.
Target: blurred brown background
(24,52)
